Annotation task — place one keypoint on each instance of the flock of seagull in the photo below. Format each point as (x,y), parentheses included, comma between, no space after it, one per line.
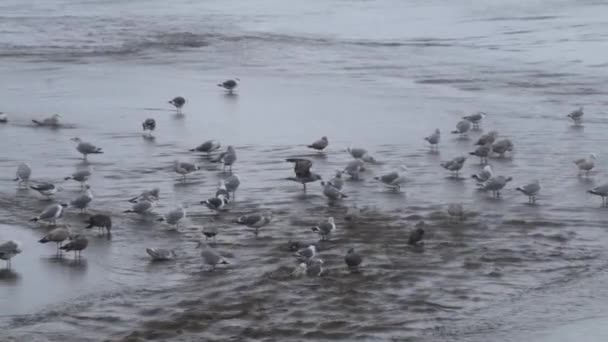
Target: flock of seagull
(309,262)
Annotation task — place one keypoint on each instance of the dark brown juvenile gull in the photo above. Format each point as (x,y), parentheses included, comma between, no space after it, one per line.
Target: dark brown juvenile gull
(57,235)
(462,128)
(353,259)
(302,170)
(577,116)
(77,244)
(178,102)
(101,221)
(230,85)
(184,168)
(149,125)
(8,249)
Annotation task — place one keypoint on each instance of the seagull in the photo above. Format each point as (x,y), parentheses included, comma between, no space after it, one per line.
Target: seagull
(161,254)
(142,208)
(148,126)
(184,168)
(393,179)
(222,192)
(416,235)
(337,182)
(210,256)
(24,171)
(586,164)
(325,229)
(353,259)
(230,85)
(361,153)
(82,202)
(354,168)
(178,102)
(101,221)
(207,146)
(45,189)
(152,194)
(307,253)
(216,203)
(530,190)
(454,165)
(300,270)
(77,244)
(51,213)
(86,148)
(174,216)
(352,213)
(495,184)
(232,183)
(210,233)
(52,121)
(434,139)
(484,175)
(502,146)
(577,116)
(331,192)
(255,221)
(482,152)
(81,176)
(475,119)
(456,210)
(302,170)
(57,235)
(314,267)
(601,191)
(3,118)
(8,249)
(462,128)
(228,158)
(320,144)
(487,138)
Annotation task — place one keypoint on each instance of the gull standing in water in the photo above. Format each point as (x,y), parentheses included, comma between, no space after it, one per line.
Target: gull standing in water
(232,183)
(354,168)
(255,221)
(207,146)
(45,189)
(52,121)
(77,244)
(184,168)
(81,176)
(462,128)
(230,85)
(152,194)
(393,179)
(8,249)
(434,139)
(24,171)
(161,254)
(220,201)
(416,235)
(530,190)
(82,202)
(302,170)
(353,259)
(320,144)
(57,235)
(228,158)
(361,153)
(307,253)
(101,221)
(577,116)
(51,213)
(502,146)
(143,207)
(585,164)
(601,191)
(454,165)
(86,148)
(149,125)
(210,233)
(495,184)
(210,256)
(325,229)
(331,192)
(482,152)
(487,138)
(174,216)
(475,119)
(3,118)
(178,102)
(337,181)
(484,175)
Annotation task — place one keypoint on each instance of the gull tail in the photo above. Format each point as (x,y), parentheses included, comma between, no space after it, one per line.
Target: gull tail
(67,178)
(17,179)
(37,122)
(594,192)
(455,132)
(160,219)
(44,240)
(520,189)
(35,219)
(224,262)
(128,211)
(98,151)
(315,229)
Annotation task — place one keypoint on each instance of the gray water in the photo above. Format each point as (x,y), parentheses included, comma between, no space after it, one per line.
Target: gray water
(375,74)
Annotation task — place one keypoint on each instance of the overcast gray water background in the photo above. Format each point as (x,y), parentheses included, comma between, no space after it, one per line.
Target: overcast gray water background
(375,74)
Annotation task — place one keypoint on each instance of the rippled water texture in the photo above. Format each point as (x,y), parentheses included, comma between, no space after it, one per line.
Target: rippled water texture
(375,74)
